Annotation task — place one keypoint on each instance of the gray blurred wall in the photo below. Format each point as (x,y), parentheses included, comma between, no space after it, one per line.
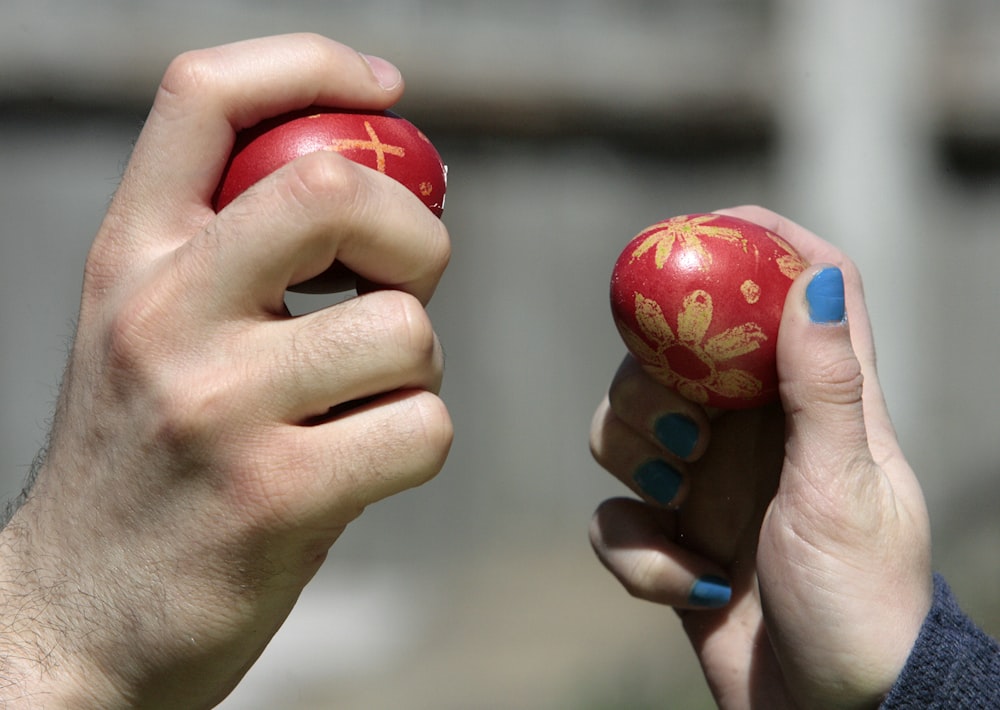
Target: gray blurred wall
(567,127)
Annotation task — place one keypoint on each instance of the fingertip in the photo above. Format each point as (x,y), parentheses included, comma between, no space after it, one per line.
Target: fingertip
(710,592)
(634,541)
(676,425)
(679,434)
(825,296)
(816,297)
(660,482)
(816,358)
(386,74)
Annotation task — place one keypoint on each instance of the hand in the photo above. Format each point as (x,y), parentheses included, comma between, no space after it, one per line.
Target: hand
(208,448)
(793,540)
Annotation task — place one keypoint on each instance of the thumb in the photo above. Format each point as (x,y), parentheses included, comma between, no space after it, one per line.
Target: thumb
(821,378)
(846,536)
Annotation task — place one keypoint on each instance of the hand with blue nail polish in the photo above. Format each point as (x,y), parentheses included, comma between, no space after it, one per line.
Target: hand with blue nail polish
(797,549)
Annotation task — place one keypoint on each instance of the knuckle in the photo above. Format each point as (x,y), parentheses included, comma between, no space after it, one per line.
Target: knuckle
(596,447)
(190,73)
(408,326)
(599,439)
(618,447)
(178,405)
(133,333)
(436,424)
(632,387)
(430,438)
(319,44)
(839,381)
(641,575)
(187,418)
(624,392)
(439,249)
(327,179)
(417,334)
(409,450)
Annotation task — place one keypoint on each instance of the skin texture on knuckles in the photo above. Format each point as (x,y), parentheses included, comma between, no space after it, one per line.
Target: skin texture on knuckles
(698,299)
(383,141)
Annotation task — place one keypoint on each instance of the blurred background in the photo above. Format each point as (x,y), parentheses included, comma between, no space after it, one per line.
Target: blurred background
(568,127)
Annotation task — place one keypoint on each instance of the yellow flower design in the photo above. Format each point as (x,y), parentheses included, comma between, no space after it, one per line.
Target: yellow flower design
(686,360)
(789,263)
(690,233)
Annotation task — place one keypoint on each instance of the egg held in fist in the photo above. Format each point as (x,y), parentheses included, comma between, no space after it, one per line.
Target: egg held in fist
(698,300)
(382,141)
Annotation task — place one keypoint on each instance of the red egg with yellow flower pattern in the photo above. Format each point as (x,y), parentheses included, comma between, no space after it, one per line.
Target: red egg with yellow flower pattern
(383,141)
(698,300)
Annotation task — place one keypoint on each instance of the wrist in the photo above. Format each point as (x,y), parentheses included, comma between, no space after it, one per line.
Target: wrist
(42,658)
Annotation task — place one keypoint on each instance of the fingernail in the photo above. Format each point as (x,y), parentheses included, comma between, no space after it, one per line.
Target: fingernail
(677,433)
(386,73)
(659,480)
(825,295)
(710,592)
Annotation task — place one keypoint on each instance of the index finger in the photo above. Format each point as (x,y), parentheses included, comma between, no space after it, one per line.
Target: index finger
(810,246)
(318,210)
(658,413)
(207,96)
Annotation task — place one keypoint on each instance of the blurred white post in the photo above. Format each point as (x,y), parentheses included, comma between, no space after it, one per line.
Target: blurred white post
(852,78)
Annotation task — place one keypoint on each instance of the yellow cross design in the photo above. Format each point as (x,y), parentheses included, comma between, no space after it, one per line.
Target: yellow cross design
(374,144)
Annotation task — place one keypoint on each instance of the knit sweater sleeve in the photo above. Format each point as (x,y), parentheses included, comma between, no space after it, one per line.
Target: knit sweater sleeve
(953,664)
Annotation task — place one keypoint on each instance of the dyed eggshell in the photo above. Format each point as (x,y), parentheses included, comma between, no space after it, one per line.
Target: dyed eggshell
(698,299)
(382,141)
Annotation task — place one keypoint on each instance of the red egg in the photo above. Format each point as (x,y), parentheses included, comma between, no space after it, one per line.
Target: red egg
(698,300)
(382,141)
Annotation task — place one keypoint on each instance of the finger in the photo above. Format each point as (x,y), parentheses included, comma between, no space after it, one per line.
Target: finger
(812,248)
(852,523)
(634,542)
(822,383)
(296,223)
(675,424)
(207,96)
(636,461)
(329,473)
(377,343)
(817,251)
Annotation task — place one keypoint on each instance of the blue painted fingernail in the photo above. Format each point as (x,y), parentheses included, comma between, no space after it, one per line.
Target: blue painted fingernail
(710,592)
(825,295)
(659,480)
(677,433)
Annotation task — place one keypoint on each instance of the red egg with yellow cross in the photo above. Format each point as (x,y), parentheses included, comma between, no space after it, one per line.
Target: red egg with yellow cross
(383,141)
(698,300)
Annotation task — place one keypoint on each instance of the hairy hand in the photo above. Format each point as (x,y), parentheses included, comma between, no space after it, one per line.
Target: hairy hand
(208,448)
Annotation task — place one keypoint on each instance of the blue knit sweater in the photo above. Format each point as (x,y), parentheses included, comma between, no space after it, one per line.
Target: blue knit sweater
(953,664)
